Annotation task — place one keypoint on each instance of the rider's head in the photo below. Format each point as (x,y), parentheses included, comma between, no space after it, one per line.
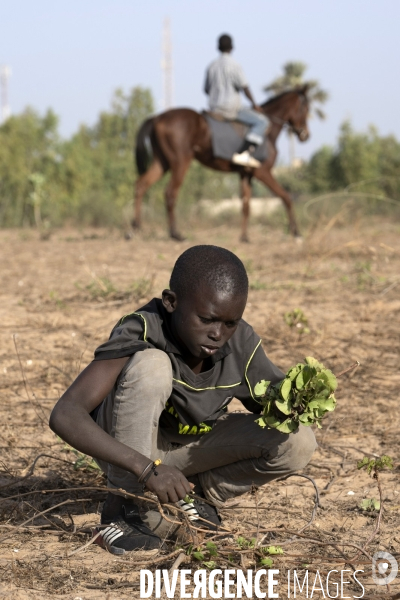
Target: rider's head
(225,43)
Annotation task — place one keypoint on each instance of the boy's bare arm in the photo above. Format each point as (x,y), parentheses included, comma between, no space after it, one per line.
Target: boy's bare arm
(71,420)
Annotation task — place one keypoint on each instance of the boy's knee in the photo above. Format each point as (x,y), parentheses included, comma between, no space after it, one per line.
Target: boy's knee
(299,448)
(150,369)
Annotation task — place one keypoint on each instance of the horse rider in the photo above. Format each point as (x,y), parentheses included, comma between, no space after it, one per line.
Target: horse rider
(224,82)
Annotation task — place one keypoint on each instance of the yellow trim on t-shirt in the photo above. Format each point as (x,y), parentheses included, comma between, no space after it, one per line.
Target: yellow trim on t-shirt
(144,321)
(217,387)
(247,366)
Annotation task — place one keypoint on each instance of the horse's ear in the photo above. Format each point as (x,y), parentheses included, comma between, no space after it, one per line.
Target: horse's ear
(304,89)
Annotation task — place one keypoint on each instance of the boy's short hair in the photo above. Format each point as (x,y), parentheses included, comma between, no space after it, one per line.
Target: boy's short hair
(225,43)
(209,265)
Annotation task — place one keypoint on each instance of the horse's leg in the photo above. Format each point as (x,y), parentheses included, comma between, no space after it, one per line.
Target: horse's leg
(178,172)
(245,192)
(153,174)
(265,176)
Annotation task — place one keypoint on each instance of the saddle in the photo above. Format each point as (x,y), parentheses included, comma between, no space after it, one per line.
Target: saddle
(228,137)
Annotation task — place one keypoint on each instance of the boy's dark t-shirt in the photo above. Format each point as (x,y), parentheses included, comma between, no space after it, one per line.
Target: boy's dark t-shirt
(196,401)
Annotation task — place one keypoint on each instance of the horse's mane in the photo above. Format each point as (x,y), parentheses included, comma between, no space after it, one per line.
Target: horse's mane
(297,90)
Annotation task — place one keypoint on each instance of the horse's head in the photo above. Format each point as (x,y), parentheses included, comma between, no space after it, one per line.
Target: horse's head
(297,117)
(290,108)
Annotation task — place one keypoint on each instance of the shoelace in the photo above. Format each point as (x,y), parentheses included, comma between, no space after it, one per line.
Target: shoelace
(189,509)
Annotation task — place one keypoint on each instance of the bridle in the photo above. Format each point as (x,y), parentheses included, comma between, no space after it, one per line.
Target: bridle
(299,131)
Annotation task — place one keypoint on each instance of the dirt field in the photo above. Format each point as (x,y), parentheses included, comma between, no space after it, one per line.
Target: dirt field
(60,299)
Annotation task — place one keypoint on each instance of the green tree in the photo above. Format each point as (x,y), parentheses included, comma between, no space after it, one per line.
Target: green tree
(29,152)
(98,166)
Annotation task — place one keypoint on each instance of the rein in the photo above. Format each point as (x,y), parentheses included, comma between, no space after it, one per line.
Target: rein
(284,124)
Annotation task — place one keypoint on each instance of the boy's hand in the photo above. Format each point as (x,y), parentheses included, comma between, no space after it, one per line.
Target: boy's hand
(170,485)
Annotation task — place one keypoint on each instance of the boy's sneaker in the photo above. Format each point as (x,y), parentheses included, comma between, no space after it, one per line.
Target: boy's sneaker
(198,508)
(126,532)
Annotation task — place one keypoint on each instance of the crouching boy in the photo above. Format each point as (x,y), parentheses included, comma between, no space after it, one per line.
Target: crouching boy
(158,390)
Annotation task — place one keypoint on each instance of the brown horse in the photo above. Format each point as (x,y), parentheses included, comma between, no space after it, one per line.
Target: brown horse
(171,140)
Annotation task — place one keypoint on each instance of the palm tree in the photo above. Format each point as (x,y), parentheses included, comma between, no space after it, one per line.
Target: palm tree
(293,77)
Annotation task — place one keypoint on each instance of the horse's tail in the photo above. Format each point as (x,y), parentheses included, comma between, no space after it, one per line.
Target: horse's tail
(144,147)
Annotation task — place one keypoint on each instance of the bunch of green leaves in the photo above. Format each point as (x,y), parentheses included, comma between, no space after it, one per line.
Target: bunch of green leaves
(375,464)
(304,397)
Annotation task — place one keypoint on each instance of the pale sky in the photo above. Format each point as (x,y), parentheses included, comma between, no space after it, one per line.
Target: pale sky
(71,56)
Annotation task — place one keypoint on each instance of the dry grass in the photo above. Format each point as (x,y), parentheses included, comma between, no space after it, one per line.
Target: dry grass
(62,296)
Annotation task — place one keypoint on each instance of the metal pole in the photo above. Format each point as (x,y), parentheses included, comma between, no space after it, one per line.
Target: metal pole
(166,65)
(5,72)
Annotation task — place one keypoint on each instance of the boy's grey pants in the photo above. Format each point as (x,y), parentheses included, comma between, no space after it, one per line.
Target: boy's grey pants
(229,460)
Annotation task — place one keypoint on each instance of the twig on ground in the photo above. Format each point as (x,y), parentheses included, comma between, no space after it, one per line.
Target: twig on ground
(257,515)
(316,501)
(380,513)
(175,566)
(353,366)
(32,400)
(5,537)
(93,539)
(31,470)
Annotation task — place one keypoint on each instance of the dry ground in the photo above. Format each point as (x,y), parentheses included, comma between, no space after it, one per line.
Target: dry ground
(60,298)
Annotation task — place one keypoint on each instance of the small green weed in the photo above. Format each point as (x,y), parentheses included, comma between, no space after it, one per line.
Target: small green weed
(54,297)
(258,285)
(205,555)
(297,321)
(141,288)
(102,288)
(245,544)
(370,504)
(375,464)
(82,462)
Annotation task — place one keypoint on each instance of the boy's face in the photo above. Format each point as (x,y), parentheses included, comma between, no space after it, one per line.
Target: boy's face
(204,320)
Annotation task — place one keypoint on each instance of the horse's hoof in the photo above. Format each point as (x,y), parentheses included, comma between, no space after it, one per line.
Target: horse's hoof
(244,239)
(299,240)
(128,235)
(178,237)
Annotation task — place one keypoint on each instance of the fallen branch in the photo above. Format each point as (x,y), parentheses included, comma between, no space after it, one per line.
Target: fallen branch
(32,468)
(5,537)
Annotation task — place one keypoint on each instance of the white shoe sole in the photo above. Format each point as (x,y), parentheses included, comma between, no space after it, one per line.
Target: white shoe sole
(253,163)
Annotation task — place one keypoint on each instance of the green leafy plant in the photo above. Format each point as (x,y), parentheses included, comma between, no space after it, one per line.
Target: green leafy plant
(267,562)
(304,397)
(272,550)
(370,504)
(297,320)
(82,462)
(375,464)
(244,543)
(209,552)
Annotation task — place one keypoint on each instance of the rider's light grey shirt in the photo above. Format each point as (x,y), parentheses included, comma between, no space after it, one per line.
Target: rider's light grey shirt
(224,82)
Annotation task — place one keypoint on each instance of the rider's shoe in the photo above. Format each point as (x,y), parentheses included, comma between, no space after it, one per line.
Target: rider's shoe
(245,159)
